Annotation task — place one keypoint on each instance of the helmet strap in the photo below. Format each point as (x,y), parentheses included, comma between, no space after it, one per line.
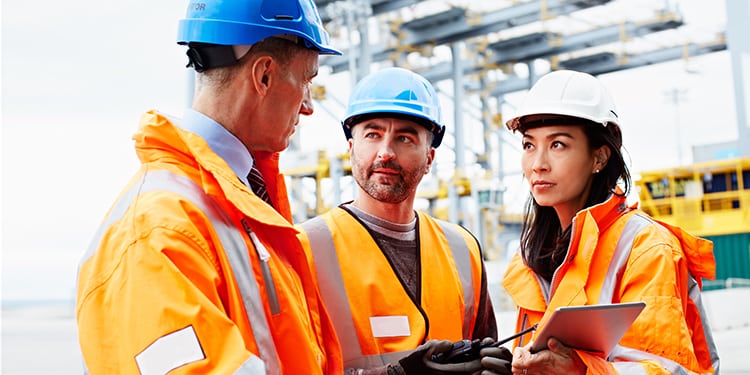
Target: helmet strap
(204,56)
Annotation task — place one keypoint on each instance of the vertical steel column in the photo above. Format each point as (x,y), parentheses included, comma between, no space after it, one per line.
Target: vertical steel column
(532,73)
(350,27)
(365,58)
(355,14)
(336,173)
(738,42)
(454,200)
(486,163)
(500,160)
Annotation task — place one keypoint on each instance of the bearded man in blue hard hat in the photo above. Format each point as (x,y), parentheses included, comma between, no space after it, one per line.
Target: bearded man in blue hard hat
(197,268)
(400,285)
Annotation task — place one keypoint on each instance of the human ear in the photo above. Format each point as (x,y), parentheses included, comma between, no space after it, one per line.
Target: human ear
(601,156)
(351,148)
(430,158)
(260,74)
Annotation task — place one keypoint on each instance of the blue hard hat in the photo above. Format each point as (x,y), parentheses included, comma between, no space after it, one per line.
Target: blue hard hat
(395,92)
(246,22)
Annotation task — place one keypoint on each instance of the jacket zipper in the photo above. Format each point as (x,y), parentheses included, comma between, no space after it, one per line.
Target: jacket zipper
(264,256)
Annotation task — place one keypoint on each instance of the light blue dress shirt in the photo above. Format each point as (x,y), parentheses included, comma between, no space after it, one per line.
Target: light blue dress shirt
(221,141)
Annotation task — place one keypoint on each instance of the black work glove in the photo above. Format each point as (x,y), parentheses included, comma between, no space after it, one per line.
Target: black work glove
(419,362)
(496,360)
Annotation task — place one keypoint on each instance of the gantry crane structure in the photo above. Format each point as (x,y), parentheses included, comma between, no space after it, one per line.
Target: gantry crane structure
(476,48)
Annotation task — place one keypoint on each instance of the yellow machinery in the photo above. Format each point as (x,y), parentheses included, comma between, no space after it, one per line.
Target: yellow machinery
(708,199)
(318,167)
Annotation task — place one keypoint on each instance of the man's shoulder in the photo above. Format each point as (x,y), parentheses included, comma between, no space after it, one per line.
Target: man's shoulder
(425,217)
(316,221)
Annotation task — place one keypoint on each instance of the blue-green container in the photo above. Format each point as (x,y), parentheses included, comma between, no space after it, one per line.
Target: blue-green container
(732,253)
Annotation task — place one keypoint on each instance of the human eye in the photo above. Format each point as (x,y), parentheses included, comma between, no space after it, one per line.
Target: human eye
(405,139)
(371,135)
(310,77)
(525,145)
(558,145)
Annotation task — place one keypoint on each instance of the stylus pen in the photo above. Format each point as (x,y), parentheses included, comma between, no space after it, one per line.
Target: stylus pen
(511,337)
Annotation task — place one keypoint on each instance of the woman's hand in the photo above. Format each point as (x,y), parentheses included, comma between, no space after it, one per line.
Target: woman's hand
(556,359)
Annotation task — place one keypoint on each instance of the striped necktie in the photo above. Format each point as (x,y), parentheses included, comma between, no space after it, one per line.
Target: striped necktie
(257,184)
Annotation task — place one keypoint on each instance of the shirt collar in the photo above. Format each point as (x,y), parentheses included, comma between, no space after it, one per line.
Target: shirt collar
(221,141)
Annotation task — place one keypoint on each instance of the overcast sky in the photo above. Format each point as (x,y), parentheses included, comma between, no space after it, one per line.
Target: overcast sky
(77,75)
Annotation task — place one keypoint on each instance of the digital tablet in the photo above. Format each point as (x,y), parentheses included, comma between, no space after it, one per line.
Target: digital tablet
(593,328)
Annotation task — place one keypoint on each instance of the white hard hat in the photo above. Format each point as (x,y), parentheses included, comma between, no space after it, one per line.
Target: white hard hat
(567,93)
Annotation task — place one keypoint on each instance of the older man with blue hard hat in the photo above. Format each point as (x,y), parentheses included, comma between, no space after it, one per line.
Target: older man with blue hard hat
(196,268)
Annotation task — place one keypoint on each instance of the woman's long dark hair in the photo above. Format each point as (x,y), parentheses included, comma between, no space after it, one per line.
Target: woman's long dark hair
(544,243)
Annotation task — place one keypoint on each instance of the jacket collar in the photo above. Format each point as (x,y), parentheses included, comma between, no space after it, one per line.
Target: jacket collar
(158,138)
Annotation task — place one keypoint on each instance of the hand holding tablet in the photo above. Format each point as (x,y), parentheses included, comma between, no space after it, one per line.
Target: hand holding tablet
(594,328)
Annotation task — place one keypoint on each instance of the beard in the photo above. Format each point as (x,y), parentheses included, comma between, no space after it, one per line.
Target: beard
(392,189)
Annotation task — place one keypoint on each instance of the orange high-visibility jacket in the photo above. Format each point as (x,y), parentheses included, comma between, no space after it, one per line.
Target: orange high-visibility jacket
(619,254)
(191,273)
(375,319)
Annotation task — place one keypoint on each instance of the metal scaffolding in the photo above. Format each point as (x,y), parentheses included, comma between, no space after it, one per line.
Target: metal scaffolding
(478,50)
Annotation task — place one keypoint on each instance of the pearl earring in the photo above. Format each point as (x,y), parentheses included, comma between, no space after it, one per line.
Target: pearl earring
(596,171)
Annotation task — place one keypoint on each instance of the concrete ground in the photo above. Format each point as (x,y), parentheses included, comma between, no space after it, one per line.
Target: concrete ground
(41,338)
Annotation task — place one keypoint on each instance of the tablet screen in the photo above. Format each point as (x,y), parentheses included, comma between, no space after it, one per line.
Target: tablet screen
(593,328)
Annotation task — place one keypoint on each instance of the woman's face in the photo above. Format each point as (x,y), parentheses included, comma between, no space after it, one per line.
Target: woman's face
(559,165)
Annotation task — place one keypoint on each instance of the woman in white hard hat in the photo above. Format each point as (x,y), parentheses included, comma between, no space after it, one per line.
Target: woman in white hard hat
(581,244)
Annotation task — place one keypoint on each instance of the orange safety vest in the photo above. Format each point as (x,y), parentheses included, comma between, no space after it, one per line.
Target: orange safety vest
(191,273)
(619,254)
(375,319)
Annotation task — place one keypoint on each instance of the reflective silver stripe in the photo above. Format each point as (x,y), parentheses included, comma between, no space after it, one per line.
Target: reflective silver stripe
(331,284)
(265,269)
(623,354)
(694,292)
(523,326)
(629,368)
(620,256)
(376,360)
(461,256)
(115,214)
(170,351)
(253,366)
(616,268)
(232,242)
(332,289)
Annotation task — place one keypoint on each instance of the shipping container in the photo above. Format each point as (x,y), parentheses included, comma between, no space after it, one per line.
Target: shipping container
(710,200)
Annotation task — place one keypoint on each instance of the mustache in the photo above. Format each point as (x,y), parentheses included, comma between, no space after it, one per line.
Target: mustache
(391,164)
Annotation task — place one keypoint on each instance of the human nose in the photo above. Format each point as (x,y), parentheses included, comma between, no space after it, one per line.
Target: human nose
(307,105)
(540,161)
(385,150)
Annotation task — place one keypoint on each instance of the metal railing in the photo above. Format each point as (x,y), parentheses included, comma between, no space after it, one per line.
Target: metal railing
(732,282)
